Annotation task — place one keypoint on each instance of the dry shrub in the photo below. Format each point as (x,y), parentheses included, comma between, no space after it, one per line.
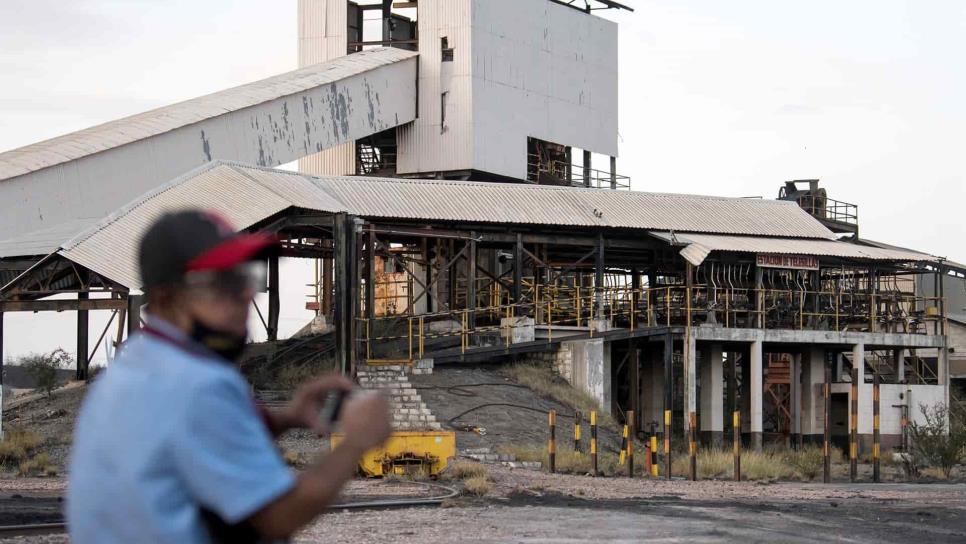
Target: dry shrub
(477,485)
(17,445)
(764,465)
(936,473)
(466,470)
(807,463)
(39,465)
(715,464)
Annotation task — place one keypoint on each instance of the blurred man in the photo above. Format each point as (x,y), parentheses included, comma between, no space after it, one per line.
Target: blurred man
(169,445)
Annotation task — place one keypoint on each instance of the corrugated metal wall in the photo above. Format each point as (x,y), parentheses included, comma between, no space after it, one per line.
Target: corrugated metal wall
(323,35)
(428,146)
(542,70)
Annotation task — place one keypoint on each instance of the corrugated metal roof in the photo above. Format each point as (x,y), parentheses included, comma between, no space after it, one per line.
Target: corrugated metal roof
(567,206)
(698,246)
(111,248)
(44,241)
(247,195)
(130,129)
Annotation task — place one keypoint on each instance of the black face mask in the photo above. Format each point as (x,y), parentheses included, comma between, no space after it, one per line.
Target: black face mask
(227,345)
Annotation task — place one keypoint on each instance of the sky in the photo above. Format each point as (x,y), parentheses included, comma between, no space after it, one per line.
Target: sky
(724,98)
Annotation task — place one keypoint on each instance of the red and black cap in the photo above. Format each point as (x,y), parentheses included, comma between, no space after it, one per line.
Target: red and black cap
(195,240)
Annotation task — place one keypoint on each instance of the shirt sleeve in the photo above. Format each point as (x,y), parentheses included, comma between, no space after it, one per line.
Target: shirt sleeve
(225,454)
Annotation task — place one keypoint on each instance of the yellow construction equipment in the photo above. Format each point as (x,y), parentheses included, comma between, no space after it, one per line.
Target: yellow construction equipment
(408,453)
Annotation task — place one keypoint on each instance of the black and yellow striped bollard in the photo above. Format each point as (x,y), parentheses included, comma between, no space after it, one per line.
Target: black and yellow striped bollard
(667,444)
(654,461)
(736,426)
(630,443)
(577,418)
(552,444)
(854,428)
(622,456)
(693,445)
(875,428)
(593,441)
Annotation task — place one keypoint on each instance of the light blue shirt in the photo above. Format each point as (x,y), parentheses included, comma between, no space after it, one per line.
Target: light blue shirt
(161,434)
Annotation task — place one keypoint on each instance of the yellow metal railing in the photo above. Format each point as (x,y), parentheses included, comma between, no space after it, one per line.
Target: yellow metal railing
(555,307)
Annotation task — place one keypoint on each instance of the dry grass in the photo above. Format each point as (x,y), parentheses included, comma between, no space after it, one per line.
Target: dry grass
(39,465)
(571,462)
(773,463)
(936,473)
(477,485)
(17,446)
(542,380)
(466,470)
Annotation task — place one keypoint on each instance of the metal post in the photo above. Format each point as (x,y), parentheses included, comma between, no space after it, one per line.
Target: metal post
(518,270)
(854,425)
(622,456)
(875,426)
(326,295)
(613,172)
(826,439)
(341,299)
(586,168)
(451,276)
(1,375)
(274,303)
(693,445)
(593,441)
(599,277)
(630,442)
(552,445)
(653,458)
(82,339)
(429,277)
(736,446)
(370,269)
(668,399)
(471,282)
(577,422)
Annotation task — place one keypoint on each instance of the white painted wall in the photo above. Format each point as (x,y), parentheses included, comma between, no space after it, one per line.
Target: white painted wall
(889,416)
(427,146)
(542,70)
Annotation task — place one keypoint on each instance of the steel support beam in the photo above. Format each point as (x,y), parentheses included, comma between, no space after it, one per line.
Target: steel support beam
(341,292)
(471,282)
(83,330)
(274,303)
(61,305)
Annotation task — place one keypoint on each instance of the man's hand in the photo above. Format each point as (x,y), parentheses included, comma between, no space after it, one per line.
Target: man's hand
(303,411)
(365,421)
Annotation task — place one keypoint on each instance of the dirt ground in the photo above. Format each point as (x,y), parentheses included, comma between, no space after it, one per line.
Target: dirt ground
(500,407)
(529,506)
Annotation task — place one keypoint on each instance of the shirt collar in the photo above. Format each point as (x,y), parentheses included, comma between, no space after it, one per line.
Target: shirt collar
(166,328)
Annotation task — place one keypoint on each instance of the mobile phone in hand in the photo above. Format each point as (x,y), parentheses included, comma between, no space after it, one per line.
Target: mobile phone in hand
(332,408)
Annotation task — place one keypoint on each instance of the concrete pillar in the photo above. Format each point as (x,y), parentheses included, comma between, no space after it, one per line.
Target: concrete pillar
(712,396)
(864,416)
(653,388)
(812,402)
(796,398)
(755,390)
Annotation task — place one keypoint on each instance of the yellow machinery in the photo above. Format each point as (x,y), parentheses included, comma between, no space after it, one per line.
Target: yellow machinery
(408,452)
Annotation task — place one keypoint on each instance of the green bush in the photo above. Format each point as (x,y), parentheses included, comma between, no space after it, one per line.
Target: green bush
(43,367)
(936,442)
